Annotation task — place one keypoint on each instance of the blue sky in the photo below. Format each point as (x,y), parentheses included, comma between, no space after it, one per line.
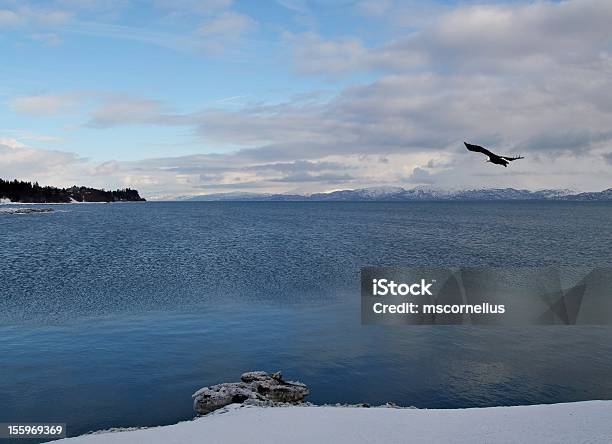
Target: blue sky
(193,97)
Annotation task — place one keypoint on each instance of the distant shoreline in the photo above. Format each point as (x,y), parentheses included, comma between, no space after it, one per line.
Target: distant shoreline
(72,203)
(17,191)
(418,194)
(458,201)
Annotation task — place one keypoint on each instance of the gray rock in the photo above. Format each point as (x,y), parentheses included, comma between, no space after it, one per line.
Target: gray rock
(256,388)
(13,210)
(255,376)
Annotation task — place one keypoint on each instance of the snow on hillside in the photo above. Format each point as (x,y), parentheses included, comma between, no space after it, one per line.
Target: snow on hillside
(420,193)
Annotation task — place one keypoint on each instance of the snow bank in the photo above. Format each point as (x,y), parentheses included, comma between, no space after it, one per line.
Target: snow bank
(588,421)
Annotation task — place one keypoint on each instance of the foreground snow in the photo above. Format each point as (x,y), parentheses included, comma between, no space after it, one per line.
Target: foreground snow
(589,421)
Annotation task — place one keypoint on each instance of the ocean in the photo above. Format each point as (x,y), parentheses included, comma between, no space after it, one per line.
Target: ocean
(112,315)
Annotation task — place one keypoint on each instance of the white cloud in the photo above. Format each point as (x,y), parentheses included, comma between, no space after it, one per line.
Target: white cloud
(204,26)
(53,18)
(370,8)
(313,54)
(26,15)
(94,6)
(482,38)
(122,109)
(185,7)
(46,166)
(107,168)
(227,24)
(45,105)
(8,18)
(419,176)
(9,144)
(566,32)
(300,6)
(49,39)
(215,35)
(224,30)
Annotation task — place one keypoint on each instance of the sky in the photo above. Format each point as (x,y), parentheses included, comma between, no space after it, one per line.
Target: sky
(186,97)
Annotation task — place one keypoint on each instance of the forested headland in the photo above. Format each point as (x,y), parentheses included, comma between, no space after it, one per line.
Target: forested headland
(28,192)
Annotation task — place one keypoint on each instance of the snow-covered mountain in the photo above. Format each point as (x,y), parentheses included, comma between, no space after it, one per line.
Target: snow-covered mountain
(422,193)
(236,195)
(598,195)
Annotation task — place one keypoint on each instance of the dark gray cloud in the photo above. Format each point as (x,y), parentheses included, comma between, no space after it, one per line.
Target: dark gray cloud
(574,140)
(299,166)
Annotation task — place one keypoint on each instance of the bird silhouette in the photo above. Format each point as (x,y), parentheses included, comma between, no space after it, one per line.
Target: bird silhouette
(493,158)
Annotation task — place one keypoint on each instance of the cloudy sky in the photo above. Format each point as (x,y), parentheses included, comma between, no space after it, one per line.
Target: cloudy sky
(183,97)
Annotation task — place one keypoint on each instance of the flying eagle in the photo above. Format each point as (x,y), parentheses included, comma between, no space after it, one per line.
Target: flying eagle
(493,158)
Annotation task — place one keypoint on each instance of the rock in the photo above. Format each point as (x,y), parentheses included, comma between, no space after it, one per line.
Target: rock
(25,210)
(256,388)
(254,376)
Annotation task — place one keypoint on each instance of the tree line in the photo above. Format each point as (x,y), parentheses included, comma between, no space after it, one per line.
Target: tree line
(28,192)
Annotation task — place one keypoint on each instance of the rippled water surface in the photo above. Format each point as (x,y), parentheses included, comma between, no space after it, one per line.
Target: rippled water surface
(112,315)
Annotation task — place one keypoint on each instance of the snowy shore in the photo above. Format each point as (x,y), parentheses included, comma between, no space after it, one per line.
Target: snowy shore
(587,421)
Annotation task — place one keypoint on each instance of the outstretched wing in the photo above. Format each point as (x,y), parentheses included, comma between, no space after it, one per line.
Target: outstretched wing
(479,149)
(512,158)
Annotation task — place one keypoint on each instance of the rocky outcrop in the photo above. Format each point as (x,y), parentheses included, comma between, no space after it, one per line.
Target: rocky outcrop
(25,210)
(255,388)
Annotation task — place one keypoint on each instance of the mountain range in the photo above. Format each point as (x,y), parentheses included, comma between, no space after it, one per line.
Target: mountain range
(413,194)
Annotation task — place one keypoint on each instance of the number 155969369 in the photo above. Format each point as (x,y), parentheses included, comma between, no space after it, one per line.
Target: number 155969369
(32,430)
